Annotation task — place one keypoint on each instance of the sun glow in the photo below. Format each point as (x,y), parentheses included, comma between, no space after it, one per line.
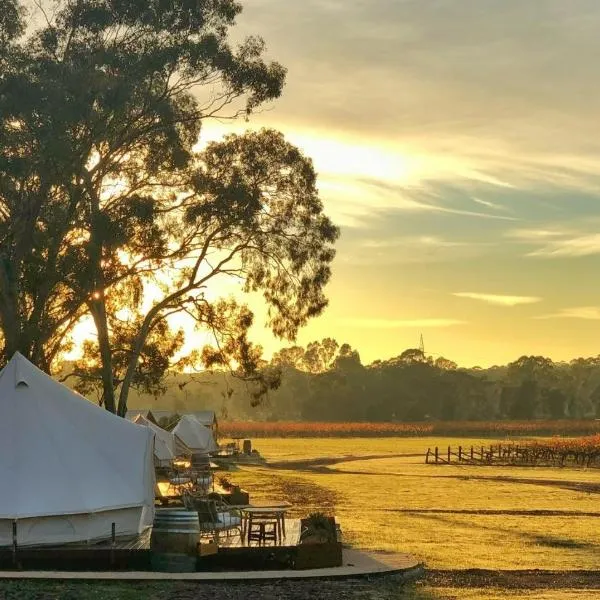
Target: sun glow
(341,156)
(348,158)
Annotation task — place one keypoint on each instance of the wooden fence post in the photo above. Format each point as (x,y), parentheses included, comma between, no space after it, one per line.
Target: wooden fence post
(112,545)
(427,456)
(448,454)
(472,453)
(459,453)
(436,455)
(14,542)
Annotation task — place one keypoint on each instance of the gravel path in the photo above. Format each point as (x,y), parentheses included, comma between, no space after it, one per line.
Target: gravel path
(360,589)
(525,579)
(348,589)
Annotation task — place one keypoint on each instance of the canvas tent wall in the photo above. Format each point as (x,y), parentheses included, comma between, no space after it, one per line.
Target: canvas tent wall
(164,442)
(191,437)
(69,469)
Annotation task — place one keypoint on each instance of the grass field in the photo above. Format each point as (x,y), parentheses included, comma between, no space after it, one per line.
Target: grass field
(449,516)
(452,517)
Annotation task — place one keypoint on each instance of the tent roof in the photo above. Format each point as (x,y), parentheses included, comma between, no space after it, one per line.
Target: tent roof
(205,417)
(164,442)
(152,415)
(145,412)
(194,435)
(61,454)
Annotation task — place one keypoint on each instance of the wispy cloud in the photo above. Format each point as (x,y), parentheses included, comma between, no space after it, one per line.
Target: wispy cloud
(400,323)
(531,81)
(591,313)
(534,235)
(427,241)
(471,213)
(583,245)
(499,299)
(411,249)
(489,204)
(426,196)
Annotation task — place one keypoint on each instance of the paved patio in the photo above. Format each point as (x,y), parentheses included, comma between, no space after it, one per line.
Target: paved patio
(356,564)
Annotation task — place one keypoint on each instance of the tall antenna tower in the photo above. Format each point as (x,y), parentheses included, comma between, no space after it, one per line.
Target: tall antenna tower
(422,345)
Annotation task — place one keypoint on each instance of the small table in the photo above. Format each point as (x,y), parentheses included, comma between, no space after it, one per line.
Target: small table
(264,514)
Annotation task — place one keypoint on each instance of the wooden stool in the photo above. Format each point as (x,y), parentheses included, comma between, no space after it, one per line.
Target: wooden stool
(262,532)
(269,531)
(256,532)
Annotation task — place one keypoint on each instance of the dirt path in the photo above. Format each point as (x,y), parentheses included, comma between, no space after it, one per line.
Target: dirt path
(305,496)
(526,579)
(380,588)
(320,465)
(358,589)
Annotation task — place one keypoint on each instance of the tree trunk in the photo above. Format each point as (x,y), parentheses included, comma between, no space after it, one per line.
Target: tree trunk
(133,362)
(97,300)
(9,310)
(98,311)
(140,340)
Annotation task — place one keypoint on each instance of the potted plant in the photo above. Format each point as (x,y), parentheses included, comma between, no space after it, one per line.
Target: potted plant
(319,546)
(225,483)
(318,528)
(235,494)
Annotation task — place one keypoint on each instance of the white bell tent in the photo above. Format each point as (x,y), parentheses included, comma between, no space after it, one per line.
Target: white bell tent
(164,442)
(191,437)
(69,469)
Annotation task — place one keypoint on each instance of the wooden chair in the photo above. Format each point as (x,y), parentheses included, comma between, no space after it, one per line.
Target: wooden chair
(262,531)
(215,517)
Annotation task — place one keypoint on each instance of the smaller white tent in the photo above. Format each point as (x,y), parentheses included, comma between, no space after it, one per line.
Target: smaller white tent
(208,418)
(164,442)
(192,437)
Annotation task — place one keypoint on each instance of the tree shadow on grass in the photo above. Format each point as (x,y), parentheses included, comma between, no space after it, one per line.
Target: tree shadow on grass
(548,540)
(319,465)
(304,495)
(572,486)
(516,512)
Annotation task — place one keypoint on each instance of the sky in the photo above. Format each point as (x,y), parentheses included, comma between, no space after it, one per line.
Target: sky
(457,144)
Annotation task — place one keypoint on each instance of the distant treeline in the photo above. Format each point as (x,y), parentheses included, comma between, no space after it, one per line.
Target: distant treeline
(327,382)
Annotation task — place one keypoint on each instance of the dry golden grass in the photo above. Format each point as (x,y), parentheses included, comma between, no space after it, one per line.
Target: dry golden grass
(447,516)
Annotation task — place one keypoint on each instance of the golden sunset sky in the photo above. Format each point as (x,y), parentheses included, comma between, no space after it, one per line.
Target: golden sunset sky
(458,147)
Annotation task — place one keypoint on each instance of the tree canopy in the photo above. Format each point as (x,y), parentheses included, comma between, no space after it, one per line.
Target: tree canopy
(409,387)
(107,210)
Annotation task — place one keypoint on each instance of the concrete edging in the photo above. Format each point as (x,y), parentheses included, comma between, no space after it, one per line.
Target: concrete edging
(357,565)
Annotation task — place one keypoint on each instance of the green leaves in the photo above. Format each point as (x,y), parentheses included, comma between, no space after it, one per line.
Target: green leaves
(262,192)
(11,22)
(101,106)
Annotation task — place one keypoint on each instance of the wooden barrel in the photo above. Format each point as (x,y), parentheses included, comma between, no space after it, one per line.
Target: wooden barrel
(174,540)
(247,447)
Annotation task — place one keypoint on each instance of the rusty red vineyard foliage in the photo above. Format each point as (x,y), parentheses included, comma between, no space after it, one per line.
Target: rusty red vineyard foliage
(587,444)
(492,429)
(560,451)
